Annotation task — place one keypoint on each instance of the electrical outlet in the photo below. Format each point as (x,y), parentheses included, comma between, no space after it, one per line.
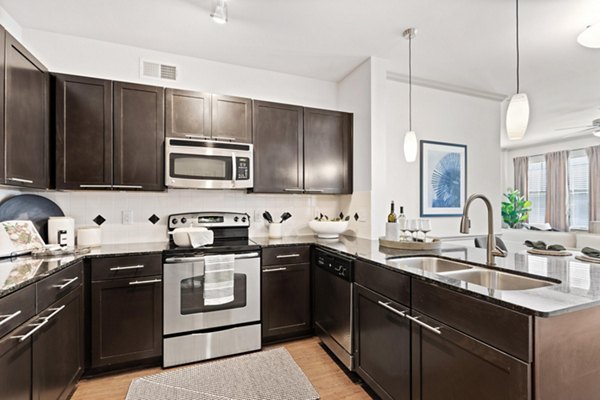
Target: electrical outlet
(127,217)
(257,216)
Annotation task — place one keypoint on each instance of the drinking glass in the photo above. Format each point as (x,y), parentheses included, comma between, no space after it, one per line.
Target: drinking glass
(425,226)
(411,226)
(402,227)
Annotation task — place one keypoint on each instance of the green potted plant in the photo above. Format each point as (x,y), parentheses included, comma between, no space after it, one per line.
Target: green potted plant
(515,209)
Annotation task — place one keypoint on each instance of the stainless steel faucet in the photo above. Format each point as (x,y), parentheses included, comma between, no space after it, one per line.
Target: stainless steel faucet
(465,225)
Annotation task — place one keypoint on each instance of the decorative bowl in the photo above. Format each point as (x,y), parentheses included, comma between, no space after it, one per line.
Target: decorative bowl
(328,229)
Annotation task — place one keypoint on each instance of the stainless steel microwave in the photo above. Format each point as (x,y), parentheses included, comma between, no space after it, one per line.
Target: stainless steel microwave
(208,164)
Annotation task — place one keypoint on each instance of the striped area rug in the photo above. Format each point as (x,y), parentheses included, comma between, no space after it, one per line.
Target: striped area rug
(265,375)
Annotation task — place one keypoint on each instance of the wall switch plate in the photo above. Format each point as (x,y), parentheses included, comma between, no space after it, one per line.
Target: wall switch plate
(127,217)
(257,216)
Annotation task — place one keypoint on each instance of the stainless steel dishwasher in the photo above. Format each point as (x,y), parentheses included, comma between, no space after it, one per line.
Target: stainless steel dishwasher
(333,303)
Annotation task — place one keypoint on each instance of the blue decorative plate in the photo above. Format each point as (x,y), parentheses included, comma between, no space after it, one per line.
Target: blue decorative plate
(31,207)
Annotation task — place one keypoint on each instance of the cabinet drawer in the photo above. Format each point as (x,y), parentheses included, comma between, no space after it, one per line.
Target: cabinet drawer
(16,308)
(391,284)
(286,255)
(58,285)
(126,267)
(504,329)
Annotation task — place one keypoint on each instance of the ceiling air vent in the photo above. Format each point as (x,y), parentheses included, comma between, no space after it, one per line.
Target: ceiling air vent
(155,70)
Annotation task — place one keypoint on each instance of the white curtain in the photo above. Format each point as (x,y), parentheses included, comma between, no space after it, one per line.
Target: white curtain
(521,167)
(556,190)
(593,154)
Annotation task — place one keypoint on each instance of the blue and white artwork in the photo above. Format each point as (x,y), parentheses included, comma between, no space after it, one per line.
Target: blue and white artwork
(443,178)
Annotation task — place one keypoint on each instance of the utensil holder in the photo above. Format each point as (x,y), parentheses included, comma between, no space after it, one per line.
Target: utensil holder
(275,230)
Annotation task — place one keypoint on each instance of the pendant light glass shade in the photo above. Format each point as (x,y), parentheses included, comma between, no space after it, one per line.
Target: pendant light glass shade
(590,37)
(517,116)
(410,146)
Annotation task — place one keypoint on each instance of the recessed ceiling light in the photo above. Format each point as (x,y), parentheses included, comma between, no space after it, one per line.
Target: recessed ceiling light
(590,37)
(220,13)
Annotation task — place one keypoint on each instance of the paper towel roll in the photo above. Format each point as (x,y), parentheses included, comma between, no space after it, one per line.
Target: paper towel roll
(57,224)
(89,236)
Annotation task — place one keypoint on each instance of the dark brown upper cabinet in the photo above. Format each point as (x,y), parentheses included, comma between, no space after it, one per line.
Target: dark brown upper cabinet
(139,136)
(327,151)
(201,115)
(301,150)
(278,148)
(187,114)
(84,137)
(26,109)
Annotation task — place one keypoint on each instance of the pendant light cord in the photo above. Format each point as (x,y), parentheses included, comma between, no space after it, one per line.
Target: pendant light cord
(518,55)
(410,83)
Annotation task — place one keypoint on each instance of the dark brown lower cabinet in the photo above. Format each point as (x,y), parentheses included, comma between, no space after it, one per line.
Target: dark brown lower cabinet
(286,301)
(382,344)
(453,366)
(58,349)
(15,366)
(126,323)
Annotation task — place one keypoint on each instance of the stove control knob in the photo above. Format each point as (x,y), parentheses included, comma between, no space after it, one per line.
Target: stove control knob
(236,219)
(183,220)
(243,219)
(174,221)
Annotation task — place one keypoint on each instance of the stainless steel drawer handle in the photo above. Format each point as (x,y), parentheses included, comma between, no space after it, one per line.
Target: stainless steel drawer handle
(288,255)
(424,325)
(8,317)
(293,190)
(67,283)
(20,180)
(201,258)
(315,190)
(145,282)
(40,325)
(275,269)
(127,267)
(392,309)
(95,186)
(128,186)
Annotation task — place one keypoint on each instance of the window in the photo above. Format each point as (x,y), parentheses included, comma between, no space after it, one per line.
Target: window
(578,190)
(536,176)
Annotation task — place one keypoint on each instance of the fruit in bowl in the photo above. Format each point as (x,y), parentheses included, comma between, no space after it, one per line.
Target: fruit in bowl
(326,228)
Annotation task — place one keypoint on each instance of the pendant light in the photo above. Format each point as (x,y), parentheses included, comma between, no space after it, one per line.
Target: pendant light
(410,137)
(220,13)
(517,113)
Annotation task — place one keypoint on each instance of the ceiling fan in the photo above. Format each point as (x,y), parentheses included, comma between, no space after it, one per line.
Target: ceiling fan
(594,128)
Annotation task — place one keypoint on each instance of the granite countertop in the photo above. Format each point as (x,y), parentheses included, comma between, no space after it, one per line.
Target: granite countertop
(578,283)
(23,271)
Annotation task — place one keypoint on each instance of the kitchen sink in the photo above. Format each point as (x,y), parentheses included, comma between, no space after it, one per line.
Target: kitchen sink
(497,280)
(430,264)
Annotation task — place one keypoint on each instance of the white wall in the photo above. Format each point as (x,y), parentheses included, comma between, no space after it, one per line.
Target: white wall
(447,117)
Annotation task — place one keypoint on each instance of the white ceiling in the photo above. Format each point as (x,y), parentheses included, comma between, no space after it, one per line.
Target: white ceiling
(468,43)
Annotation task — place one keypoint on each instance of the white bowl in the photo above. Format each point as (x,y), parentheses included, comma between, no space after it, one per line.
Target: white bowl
(328,229)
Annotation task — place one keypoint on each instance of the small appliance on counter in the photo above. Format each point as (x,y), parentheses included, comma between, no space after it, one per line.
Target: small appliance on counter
(61,231)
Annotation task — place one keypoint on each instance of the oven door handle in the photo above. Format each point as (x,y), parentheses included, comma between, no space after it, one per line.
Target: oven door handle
(195,259)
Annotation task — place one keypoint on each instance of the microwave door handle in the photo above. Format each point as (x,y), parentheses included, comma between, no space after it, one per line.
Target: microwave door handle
(233,168)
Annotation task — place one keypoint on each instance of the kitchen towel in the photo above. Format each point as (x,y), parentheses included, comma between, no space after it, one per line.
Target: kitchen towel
(218,279)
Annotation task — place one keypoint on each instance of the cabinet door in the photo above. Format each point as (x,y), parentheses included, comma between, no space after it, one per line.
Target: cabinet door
(453,366)
(84,133)
(15,365)
(139,136)
(187,114)
(231,118)
(278,148)
(126,320)
(285,301)
(382,338)
(58,349)
(26,127)
(327,151)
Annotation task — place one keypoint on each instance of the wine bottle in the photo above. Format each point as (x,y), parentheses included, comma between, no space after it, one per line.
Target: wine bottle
(392,216)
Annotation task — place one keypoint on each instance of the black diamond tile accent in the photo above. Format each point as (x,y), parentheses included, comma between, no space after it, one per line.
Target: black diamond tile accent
(99,220)
(356,217)
(154,218)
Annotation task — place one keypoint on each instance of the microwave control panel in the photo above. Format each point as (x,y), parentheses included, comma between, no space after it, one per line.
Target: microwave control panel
(242,169)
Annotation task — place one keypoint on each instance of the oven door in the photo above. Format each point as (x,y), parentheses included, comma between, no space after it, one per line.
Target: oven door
(184,306)
(208,165)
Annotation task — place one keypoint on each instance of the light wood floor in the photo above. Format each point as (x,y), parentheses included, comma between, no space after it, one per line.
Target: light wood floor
(326,376)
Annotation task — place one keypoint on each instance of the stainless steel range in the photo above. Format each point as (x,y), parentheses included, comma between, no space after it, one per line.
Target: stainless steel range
(195,326)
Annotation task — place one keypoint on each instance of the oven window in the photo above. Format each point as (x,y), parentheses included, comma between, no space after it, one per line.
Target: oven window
(192,295)
(201,167)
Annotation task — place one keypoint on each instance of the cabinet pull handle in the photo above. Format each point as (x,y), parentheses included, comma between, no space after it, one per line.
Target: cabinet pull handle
(293,190)
(40,325)
(8,317)
(67,283)
(20,180)
(392,309)
(288,255)
(315,190)
(424,325)
(225,138)
(145,282)
(95,186)
(128,267)
(128,186)
(275,269)
(198,137)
